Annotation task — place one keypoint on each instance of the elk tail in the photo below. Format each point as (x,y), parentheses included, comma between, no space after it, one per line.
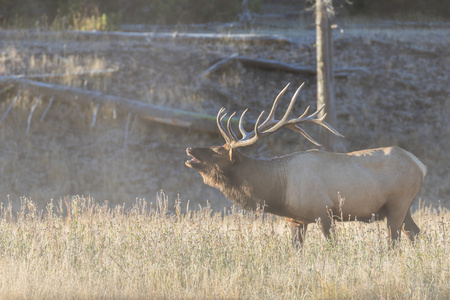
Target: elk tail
(421,166)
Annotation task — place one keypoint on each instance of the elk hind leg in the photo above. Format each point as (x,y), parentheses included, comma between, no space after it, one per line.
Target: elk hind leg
(410,228)
(298,231)
(326,225)
(395,216)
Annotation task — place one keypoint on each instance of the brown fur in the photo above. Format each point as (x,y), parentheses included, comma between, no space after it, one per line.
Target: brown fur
(304,186)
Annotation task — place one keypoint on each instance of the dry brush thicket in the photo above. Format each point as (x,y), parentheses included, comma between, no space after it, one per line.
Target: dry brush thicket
(77,249)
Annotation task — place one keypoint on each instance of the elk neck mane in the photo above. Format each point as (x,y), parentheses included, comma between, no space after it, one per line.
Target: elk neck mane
(251,182)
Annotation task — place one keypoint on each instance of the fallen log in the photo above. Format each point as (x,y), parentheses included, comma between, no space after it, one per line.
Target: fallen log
(53,75)
(273,65)
(218,65)
(213,26)
(171,116)
(268,64)
(188,36)
(246,38)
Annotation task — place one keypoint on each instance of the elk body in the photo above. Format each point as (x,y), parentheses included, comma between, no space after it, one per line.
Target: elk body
(303,187)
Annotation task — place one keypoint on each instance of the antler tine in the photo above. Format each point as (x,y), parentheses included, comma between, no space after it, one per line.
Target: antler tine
(304,133)
(220,125)
(312,119)
(248,138)
(324,124)
(291,104)
(257,135)
(241,127)
(305,112)
(282,122)
(271,117)
(230,129)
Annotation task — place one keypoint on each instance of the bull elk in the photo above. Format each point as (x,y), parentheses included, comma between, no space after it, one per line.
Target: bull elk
(303,186)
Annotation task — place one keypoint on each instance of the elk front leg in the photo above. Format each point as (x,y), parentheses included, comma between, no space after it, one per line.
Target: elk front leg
(298,231)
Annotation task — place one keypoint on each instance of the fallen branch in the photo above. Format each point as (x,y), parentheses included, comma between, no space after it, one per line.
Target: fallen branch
(175,117)
(405,48)
(400,24)
(218,65)
(31,113)
(94,118)
(47,108)
(178,27)
(267,64)
(189,37)
(163,36)
(82,73)
(10,106)
(128,132)
(274,65)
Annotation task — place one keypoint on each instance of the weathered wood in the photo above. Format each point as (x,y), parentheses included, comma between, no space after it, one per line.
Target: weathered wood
(274,65)
(245,17)
(409,24)
(94,118)
(10,106)
(218,65)
(245,38)
(54,75)
(325,88)
(31,113)
(47,108)
(178,27)
(171,116)
(188,36)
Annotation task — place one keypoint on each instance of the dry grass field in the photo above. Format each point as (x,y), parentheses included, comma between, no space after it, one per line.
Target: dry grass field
(96,252)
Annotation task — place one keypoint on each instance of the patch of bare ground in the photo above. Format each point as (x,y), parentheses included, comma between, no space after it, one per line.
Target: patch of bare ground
(402,99)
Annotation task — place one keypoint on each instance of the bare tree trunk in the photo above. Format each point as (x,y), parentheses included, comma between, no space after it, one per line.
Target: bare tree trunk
(245,17)
(325,87)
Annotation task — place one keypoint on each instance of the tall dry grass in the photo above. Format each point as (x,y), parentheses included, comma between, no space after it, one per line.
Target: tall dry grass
(77,249)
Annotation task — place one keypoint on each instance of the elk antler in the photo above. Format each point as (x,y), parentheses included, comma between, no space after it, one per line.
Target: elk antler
(270,125)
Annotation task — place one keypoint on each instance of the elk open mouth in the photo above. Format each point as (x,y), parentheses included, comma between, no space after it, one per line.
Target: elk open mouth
(192,161)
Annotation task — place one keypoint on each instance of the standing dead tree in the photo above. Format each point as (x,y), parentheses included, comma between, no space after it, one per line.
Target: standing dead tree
(245,17)
(325,88)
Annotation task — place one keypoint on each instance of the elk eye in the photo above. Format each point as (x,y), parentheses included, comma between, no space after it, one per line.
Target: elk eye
(219,151)
(216,151)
